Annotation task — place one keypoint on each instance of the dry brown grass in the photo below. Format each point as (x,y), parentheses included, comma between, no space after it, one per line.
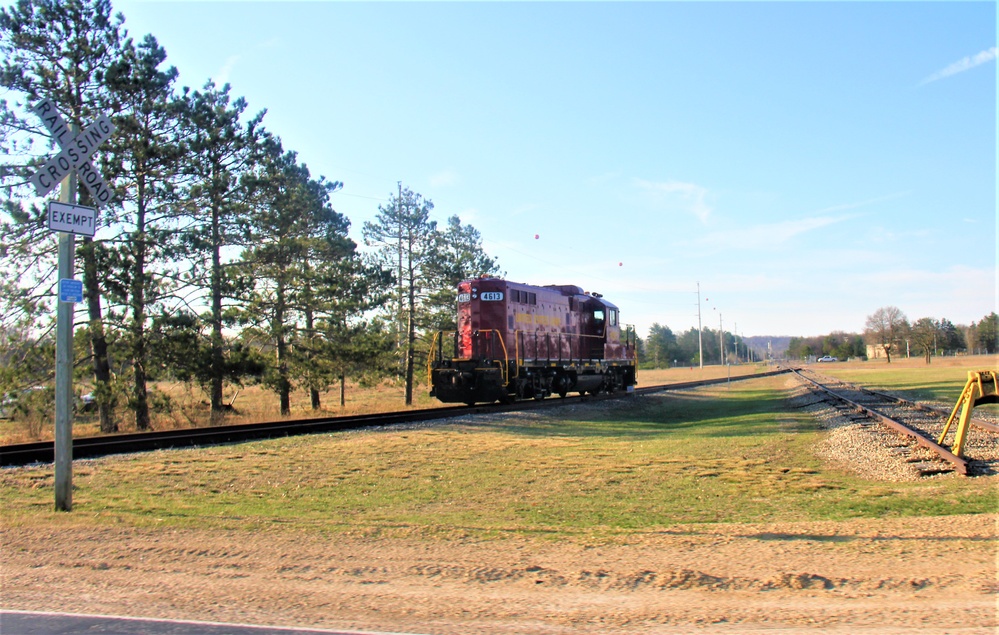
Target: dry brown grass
(251,404)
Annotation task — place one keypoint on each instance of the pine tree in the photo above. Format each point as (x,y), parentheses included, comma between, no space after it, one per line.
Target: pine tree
(146,153)
(403,235)
(58,50)
(220,153)
(457,255)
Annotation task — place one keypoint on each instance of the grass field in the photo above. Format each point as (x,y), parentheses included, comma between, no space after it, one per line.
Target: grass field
(731,453)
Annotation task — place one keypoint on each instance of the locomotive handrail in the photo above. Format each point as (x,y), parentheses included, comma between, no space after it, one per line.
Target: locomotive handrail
(437,351)
(505,367)
(630,338)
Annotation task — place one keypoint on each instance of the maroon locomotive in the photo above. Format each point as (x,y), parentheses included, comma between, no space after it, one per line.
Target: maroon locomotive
(520,341)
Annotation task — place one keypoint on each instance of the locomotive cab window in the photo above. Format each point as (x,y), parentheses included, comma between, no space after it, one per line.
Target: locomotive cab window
(598,316)
(613,317)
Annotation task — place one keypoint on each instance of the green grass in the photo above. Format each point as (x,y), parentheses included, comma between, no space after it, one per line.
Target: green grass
(727,454)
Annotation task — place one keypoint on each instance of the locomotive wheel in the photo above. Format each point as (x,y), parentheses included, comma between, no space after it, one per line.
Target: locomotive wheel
(563,393)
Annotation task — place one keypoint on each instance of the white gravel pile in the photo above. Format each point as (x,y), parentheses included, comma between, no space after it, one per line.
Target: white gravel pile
(875,451)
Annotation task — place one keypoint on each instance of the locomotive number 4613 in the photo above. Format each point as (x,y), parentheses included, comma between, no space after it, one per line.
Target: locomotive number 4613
(492,296)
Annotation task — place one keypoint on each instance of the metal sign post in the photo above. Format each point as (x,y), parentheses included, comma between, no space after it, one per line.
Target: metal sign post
(65,314)
(68,218)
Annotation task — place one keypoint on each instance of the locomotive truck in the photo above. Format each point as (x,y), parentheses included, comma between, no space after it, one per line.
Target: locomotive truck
(517,341)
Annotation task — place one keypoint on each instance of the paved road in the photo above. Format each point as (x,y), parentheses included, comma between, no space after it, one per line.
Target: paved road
(32,623)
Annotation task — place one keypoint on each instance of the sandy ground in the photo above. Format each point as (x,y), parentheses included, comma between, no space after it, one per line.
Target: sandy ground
(927,575)
(916,575)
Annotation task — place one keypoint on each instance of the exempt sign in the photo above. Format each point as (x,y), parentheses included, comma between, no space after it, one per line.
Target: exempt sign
(72,219)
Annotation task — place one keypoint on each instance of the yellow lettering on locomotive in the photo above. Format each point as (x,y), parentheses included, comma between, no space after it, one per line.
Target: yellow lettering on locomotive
(540,320)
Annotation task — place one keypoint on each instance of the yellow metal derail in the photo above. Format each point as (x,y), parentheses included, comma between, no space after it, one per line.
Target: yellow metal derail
(981,383)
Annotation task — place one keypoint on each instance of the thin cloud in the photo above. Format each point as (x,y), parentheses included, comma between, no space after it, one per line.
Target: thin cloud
(469,215)
(769,234)
(444,178)
(226,70)
(782,232)
(230,63)
(688,197)
(870,201)
(962,65)
(523,209)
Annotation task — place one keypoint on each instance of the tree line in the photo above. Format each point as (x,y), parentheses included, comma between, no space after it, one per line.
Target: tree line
(222,257)
(663,348)
(889,331)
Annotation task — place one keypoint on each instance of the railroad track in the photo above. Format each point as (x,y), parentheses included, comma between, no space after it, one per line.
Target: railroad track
(93,447)
(919,424)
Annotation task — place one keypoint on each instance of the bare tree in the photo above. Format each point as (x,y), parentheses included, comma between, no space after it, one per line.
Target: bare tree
(885,328)
(924,336)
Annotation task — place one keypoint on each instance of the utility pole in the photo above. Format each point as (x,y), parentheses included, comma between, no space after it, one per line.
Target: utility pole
(700,346)
(721,339)
(398,215)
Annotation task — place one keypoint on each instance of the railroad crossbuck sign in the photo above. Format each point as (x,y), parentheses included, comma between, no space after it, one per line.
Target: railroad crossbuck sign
(75,154)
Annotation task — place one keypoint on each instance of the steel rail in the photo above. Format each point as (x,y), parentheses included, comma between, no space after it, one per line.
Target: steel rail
(104,445)
(961,465)
(981,423)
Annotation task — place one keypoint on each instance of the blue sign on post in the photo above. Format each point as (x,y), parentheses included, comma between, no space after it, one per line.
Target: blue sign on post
(70,290)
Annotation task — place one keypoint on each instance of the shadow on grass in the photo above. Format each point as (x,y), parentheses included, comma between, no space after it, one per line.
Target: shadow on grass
(747,413)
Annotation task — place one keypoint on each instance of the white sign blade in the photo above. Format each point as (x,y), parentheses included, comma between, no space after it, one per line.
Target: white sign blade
(47,112)
(92,180)
(73,156)
(72,219)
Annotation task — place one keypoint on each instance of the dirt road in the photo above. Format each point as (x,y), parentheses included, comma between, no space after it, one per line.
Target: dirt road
(929,575)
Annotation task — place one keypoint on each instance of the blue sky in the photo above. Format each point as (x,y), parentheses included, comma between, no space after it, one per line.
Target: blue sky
(806,163)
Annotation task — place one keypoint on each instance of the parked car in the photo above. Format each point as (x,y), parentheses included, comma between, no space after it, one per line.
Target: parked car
(87,402)
(828,358)
(16,401)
